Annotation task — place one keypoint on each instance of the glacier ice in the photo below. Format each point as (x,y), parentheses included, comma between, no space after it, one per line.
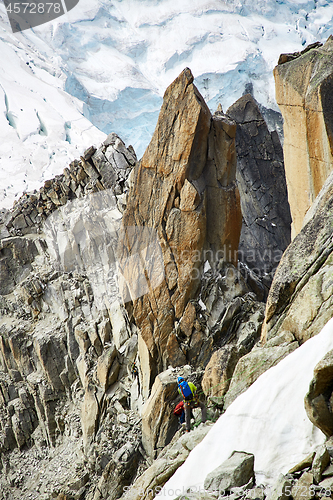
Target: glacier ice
(105,65)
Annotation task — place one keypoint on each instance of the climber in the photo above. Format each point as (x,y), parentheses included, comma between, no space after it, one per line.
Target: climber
(188,391)
(180,412)
(134,370)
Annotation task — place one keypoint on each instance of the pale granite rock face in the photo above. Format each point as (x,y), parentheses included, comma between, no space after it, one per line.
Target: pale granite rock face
(303,93)
(219,371)
(301,296)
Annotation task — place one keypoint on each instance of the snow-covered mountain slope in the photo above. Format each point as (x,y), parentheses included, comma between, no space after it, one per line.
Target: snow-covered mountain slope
(109,62)
(42,128)
(268,420)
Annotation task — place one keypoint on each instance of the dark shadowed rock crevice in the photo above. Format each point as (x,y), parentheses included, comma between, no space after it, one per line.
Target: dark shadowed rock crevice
(263,192)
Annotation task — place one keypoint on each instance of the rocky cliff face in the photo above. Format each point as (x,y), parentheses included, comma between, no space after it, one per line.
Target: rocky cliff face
(64,342)
(73,256)
(184,188)
(300,297)
(118,276)
(299,300)
(298,306)
(263,192)
(111,273)
(303,92)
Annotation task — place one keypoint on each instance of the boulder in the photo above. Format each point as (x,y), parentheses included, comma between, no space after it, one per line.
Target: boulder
(303,489)
(14,352)
(158,422)
(107,367)
(303,93)
(82,337)
(304,464)
(252,365)
(284,337)
(263,191)
(328,472)
(326,486)
(51,354)
(94,339)
(184,191)
(89,415)
(318,400)
(281,490)
(218,372)
(151,482)
(320,462)
(104,330)
(17,254)
(329,446)
(236,471)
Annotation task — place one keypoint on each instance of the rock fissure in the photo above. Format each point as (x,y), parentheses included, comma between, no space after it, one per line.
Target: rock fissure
(310,157)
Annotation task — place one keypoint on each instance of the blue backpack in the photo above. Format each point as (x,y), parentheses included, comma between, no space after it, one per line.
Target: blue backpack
(185,390)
